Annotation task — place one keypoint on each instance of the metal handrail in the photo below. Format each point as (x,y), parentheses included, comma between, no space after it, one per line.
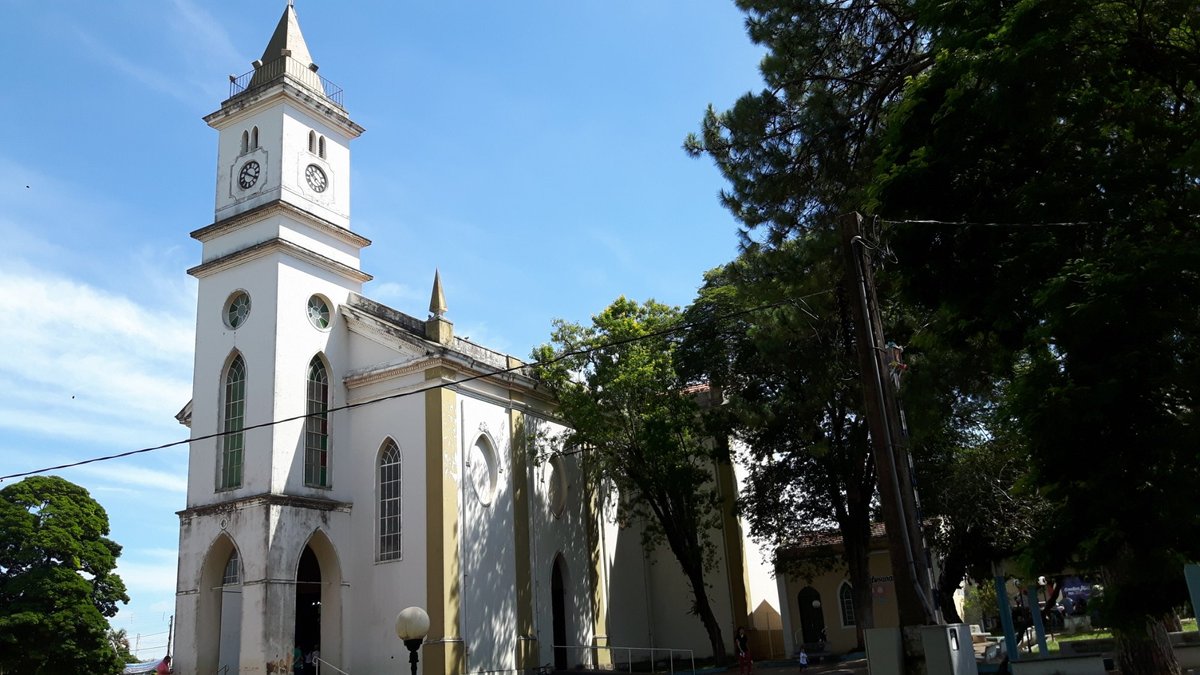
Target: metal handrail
(285,65)
(690,655)
(321,660)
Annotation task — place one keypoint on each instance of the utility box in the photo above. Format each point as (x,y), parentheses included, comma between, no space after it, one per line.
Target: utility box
(885,653)
(949,650)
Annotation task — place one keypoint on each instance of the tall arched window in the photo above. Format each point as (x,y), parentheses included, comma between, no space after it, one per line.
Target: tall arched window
(846,601)
(389,501)
(233,570)
(316,426)
(245,142)
(321,147)
(233,420)
(312,141)
(254,138)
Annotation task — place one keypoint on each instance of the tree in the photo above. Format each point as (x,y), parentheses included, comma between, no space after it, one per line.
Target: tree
(1085,114)
(803,150)
(638,428)
(772,332)
(57,586)
(119,639)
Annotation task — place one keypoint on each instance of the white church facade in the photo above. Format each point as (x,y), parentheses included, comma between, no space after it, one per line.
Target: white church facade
(349,460)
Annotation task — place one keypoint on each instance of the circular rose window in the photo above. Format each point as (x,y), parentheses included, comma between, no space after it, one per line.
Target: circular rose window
(482,469)
(237,309)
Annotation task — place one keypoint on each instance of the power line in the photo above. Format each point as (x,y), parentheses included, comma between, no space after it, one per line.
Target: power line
(478,376)
(967,223)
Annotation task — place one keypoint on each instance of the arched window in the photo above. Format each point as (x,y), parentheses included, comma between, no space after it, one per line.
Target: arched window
(846,601)
(321,147)
(254,138)
(245,141)
(389,501)
(312,141)
(316,426)
(233,420)
(233,570)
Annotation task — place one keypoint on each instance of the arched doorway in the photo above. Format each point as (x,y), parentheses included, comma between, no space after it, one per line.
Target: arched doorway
(558,608)
(308,605)
(219,615)
(812,616)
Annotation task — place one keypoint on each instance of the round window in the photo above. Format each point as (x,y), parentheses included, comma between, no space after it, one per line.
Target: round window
(318,312)
(237,309)
(482,469)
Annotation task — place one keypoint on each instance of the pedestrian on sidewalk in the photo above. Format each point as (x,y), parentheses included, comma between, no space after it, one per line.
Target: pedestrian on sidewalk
(745,662)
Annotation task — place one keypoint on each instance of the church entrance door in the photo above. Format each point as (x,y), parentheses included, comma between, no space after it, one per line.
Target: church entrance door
(812,617)
(558,602)
(308,608)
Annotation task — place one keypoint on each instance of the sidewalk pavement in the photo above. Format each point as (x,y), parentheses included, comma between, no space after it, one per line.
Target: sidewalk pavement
(852,667)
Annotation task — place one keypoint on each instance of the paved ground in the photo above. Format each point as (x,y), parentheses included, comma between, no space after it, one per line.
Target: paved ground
(854,667)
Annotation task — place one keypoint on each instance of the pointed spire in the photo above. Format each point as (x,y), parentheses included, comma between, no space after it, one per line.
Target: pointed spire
(437,300)
(287,40)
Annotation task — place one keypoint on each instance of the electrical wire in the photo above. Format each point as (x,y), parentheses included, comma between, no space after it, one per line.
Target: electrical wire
(439,385)
(966,223)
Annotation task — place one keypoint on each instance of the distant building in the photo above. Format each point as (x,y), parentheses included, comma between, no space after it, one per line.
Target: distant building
(349,460)
(819,611)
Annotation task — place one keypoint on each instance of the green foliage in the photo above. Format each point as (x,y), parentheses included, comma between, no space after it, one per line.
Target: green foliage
(1079,340)
(640,429)
(772,333)
(57,586)
(1082,113)
(801,151)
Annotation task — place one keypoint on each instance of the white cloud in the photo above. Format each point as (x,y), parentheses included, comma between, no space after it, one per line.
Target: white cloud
(124,473)
(93,366)
(392,294)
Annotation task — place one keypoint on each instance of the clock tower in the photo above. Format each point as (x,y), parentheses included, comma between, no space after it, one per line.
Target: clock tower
(284,134)
(259,572)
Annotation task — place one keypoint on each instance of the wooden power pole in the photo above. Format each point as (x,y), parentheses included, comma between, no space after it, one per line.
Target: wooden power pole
(910,566)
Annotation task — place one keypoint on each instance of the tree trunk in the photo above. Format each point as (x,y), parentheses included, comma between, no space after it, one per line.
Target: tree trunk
(703,609)
(954,570)
(1146,651)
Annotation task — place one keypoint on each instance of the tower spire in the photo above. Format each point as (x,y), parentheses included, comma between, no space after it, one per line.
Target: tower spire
(437,300)
(287,40)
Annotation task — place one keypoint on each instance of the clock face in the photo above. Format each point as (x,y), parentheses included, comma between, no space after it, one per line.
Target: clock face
(248,176)
(316,178)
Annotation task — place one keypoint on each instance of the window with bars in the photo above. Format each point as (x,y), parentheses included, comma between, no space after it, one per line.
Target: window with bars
(233,573)
(389,501)
(316,426)
(233,420)
(846,600)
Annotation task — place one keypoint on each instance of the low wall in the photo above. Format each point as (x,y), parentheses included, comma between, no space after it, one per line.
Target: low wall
(1090,664)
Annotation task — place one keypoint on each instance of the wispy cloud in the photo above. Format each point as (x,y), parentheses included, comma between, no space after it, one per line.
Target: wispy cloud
(395,295)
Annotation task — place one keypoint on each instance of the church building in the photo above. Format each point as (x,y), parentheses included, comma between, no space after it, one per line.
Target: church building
(348,460)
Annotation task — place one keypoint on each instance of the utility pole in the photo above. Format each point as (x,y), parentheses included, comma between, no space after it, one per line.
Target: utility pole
(914,597)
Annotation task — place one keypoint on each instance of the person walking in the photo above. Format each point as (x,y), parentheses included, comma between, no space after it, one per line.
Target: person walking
(742,643)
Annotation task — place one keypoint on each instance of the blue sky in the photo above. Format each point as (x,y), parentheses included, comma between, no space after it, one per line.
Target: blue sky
(528,149)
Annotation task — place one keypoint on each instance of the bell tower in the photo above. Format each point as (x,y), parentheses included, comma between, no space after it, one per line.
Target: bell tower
(266,512)
(284,134)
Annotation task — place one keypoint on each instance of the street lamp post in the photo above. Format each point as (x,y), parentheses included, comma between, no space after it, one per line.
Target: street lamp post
(412,625)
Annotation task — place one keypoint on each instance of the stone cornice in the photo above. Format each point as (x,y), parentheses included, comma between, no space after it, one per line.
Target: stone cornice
(265,211)
(273,246)
(266,499)
(233,107)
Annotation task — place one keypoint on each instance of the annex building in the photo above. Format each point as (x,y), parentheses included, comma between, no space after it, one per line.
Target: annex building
(349,460)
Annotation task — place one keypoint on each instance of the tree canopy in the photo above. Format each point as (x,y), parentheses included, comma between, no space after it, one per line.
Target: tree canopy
(1036,167)
(57,586)
(771,332)
(1063,135)
(638,427)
